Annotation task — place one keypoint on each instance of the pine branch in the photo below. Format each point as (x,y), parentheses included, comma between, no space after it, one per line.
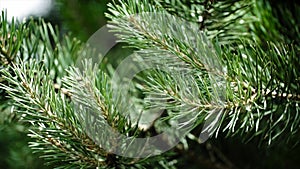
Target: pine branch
(253,89)
(249,78)
(225,20)
(57,131)
(49,113)
(56,126)
(261,81)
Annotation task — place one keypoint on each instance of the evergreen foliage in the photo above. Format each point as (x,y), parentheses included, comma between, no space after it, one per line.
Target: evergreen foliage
(254,85)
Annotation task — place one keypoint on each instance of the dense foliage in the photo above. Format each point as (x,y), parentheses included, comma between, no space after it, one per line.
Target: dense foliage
(237,59)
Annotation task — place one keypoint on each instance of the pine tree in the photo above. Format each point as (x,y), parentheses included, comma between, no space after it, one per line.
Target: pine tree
(219,70)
